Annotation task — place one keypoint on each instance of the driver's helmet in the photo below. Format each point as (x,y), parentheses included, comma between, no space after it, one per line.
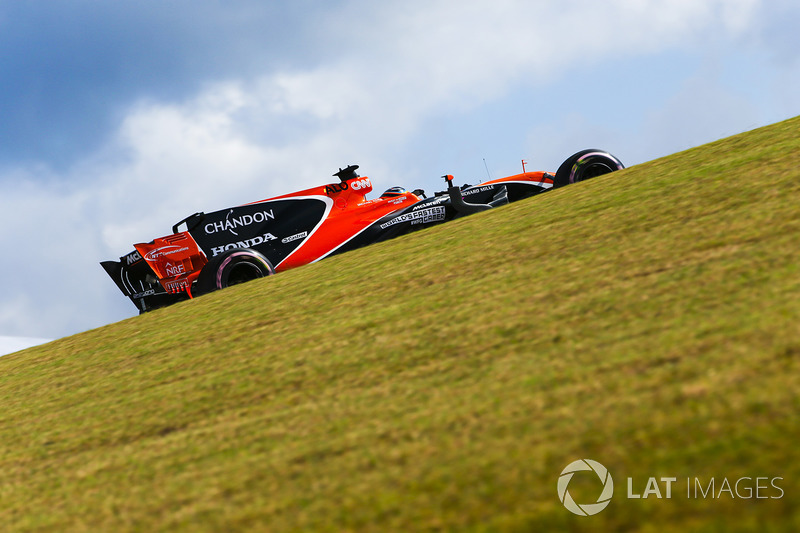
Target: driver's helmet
(394,191)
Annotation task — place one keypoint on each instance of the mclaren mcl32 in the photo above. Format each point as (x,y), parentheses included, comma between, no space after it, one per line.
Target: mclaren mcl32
(211,251)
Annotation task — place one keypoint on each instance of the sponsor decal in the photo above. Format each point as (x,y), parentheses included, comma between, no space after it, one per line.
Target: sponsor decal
(177,285)
(423,216)
(232,223)
(294,237)
(434,202)
(175,270)
(335,188)
(247,243)
(170,249)
(144,294)
(477,190)
(361,184)
(132,258)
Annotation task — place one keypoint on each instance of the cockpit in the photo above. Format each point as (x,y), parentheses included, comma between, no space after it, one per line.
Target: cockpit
(394,192)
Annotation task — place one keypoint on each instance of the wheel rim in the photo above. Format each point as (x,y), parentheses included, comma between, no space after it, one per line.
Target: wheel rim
(243,272)
(585,170)
(592,171)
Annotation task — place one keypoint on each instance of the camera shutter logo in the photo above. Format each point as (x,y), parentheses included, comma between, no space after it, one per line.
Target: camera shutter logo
(585,509)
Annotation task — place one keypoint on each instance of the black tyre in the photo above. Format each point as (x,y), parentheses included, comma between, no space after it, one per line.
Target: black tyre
(585,165)
(234,267)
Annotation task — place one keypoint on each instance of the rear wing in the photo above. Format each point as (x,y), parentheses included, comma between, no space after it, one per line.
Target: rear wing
(158,273)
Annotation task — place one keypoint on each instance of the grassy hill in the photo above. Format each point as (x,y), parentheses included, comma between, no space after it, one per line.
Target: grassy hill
(648,319)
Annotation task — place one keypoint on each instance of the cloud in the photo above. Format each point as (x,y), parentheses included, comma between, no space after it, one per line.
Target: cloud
(14,344)
(71,68)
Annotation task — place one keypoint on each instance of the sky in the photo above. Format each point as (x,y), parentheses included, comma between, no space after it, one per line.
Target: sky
(117,119)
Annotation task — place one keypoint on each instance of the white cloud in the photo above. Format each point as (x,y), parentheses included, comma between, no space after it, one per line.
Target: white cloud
(14,344)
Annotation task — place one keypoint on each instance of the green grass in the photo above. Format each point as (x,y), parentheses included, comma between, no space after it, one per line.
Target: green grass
(648,319)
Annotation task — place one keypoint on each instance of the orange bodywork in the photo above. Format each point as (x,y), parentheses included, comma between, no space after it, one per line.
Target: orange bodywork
(350,213)
(177,259)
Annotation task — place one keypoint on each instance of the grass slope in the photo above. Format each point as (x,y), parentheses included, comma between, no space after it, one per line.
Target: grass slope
(646,319)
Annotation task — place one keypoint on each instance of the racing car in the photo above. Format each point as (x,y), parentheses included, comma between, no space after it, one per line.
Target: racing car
(211,251)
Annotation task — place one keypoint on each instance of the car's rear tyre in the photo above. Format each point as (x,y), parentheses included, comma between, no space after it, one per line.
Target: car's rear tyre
(234,267)
(585,165)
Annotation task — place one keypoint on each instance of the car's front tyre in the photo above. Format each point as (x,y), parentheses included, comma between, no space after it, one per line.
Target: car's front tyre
(585,165)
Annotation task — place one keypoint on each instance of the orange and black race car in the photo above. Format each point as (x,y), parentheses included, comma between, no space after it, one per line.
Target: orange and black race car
(215,250)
